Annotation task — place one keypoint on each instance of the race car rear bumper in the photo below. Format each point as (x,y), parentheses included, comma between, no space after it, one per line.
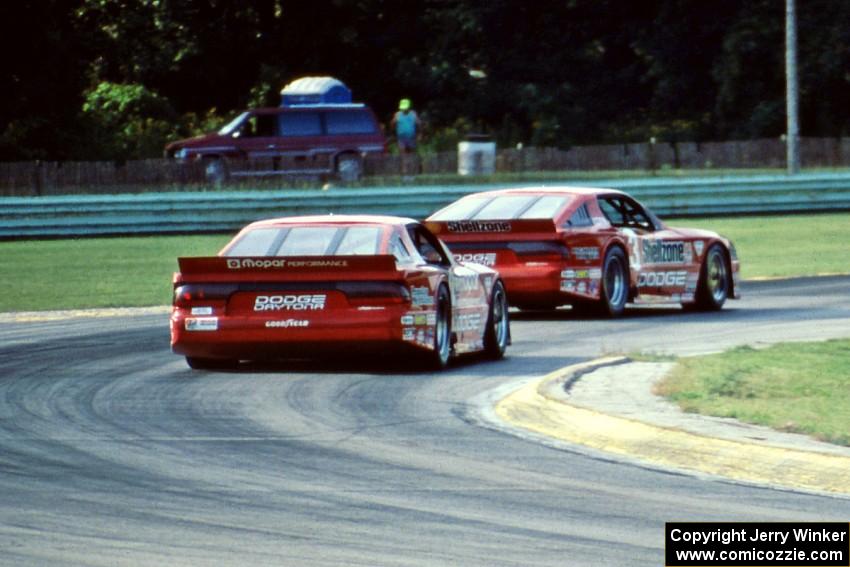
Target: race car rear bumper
(252,337)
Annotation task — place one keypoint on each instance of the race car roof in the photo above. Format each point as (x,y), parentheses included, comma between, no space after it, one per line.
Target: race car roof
(555,190)
(335,219)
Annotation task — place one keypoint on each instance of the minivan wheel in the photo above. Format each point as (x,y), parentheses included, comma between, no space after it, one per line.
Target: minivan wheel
(349,168)
(215,170)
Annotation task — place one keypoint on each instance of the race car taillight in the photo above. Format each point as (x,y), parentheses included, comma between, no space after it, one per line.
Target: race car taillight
(362,293)
(537,248)
(187,294)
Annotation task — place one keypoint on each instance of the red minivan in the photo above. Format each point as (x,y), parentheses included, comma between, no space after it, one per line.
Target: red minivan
(305,139)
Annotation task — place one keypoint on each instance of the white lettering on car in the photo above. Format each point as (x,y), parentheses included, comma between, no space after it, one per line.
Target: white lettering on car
(306,302)
(662,279)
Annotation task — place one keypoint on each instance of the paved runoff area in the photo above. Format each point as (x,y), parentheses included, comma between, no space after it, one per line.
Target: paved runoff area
(608,404)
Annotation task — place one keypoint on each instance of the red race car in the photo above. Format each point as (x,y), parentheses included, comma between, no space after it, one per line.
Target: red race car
(595,249)
(305,286)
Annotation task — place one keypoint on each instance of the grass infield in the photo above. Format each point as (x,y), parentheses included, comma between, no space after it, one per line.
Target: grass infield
(40,275)
(791,387)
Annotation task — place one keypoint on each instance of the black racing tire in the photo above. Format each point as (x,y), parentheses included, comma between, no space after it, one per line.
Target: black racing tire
(715,280)
(614,288)
(497,335)
(200,363)
(439,357)
(349,168)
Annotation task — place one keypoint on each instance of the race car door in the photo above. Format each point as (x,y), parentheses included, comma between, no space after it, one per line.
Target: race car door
(660,261)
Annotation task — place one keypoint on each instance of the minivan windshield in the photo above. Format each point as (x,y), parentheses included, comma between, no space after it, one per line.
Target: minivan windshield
(233,125)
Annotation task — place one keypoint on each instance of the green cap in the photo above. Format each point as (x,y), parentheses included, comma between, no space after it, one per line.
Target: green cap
(404,104)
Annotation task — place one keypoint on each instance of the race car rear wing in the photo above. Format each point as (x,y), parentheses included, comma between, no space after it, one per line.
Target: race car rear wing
(292,268)
(494,229)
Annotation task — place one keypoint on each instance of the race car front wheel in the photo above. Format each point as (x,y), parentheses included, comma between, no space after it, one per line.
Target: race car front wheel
(498,332)
(439,358)
(713,287)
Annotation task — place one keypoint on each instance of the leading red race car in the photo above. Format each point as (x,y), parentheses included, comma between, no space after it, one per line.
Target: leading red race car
(325,284)
(596,249)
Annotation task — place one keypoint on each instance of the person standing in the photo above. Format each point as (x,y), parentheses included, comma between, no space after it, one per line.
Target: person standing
(406,125)
(405,122)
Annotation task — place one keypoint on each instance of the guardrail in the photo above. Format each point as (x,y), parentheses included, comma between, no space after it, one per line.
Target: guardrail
(179,213)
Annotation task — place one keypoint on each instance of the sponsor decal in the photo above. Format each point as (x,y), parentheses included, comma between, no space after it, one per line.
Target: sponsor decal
(408,333)
(586,253)
(287,323)
(248,263)
(420,319)
(466,283)
(467,322)
(569,274)
(202,311)
(421,296)
(568,285)
(264,264)
(306,302)
(420,336)
(595,274)
(485,259)
(663,252)
(582,287)
(479,226)
(201,324)
(407,319)
(699,246)
(593,288)
(662,279)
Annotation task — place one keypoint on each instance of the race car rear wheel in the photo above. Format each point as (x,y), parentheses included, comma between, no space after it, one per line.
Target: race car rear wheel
(498,332)
(714,282)
(198,363)
(615,283)
(439,358)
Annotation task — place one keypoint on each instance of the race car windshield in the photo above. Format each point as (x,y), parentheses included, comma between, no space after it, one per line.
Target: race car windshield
(308,241)
(504,208)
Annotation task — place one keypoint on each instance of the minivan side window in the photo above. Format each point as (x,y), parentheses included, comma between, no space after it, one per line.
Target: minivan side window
(300,124)
(349,122)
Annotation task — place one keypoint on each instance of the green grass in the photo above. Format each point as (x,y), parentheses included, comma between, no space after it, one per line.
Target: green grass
(39,275)
(796,387)
(784,246)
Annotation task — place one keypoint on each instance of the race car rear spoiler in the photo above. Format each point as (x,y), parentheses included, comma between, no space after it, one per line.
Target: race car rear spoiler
(497,228)
(292,268)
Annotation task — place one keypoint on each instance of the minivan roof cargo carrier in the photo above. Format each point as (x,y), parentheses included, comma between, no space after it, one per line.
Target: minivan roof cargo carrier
(309,91)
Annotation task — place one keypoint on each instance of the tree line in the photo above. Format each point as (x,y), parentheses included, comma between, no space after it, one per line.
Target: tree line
(116,79)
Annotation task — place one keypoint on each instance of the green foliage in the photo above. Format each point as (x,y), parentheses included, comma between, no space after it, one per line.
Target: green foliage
(548,72)
(129,121)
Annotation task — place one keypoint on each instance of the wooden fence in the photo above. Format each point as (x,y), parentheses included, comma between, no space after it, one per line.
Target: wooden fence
(58,178)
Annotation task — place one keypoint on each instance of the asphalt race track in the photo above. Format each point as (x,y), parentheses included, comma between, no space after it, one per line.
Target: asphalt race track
(112,452)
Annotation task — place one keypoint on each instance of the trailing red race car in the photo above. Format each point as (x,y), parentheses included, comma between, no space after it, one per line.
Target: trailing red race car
(304,286)
(596,249)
